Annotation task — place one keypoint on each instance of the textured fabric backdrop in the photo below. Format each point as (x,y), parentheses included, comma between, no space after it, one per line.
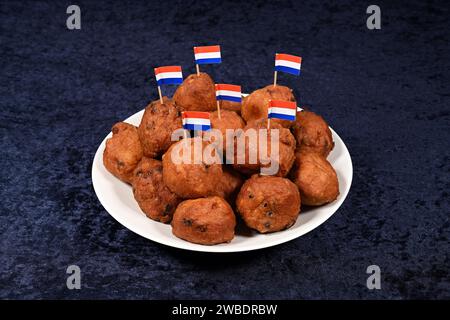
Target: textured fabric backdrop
(386,92)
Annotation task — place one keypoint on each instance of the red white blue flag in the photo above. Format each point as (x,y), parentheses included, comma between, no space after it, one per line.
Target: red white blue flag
(288,63)
(168,75)
(228,92)
(207,55)
(284,110)
(196,120)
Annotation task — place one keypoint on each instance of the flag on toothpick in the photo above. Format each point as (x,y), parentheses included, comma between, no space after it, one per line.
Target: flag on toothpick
(167,75)
(228,92)
(195,120)
(284,110)
(207,55)
(288,63)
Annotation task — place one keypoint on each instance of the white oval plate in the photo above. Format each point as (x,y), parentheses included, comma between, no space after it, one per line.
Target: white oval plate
(117,198)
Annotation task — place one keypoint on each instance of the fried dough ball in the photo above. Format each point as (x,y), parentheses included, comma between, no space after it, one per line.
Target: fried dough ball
(312,133)
(197,92)
(268,204)
(315,178)
(229,184)
(231,106)
(196,176)
(157,124)
(228,120)
(204,221)
(152,195)
(286,149)
(255,105)
(123,151)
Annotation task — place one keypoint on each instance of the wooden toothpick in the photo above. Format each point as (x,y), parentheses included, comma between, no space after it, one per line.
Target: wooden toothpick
(218,109)
(160,95)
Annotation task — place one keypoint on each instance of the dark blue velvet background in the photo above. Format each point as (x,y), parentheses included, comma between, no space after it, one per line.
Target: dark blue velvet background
(386,92)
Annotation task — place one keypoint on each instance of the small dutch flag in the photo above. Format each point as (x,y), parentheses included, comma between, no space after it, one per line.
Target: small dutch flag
(195,120)
(168,75)
(284,110)
(207,55)
(228,92)
(288,63)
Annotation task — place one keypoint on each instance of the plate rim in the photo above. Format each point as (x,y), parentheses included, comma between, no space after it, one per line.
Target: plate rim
(217,248)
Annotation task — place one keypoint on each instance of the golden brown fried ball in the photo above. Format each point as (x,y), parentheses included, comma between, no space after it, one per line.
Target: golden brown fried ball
(312,133)
(286,149)
(192,179)
(231,106)
(123,151)
(228,120)
(268,204)
(204,221)
(315,178)
(229,184)
(197,92)
(157,124)
(256,104)
(152,195)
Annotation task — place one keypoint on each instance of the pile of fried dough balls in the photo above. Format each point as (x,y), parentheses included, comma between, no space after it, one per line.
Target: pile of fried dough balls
(199,199)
